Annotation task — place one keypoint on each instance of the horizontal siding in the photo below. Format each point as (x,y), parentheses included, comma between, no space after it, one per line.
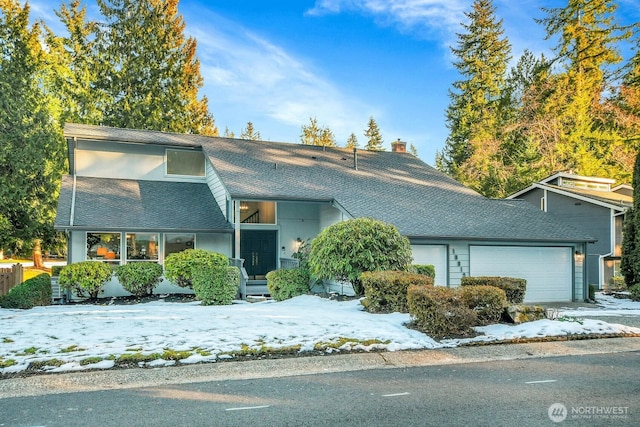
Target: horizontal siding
(217,189)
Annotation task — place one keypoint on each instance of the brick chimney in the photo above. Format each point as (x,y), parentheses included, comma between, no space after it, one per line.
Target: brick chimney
(399,146)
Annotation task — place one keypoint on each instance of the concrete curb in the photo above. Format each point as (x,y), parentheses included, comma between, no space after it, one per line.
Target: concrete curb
(272,368)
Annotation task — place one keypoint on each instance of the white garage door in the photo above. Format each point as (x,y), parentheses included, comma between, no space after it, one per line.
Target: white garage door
(435,255)
(548,271)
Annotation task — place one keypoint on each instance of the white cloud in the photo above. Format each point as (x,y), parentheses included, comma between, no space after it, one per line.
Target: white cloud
(241,68)
(427,18)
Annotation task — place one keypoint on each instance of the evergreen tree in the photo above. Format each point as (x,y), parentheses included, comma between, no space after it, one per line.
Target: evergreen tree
(31,142)
(474,112)
(630,264)
(352,141)
(588,49)
(413,150)
(228,133)
(312,134)
(250,133)
(374,139)
(75,66)
(153,75)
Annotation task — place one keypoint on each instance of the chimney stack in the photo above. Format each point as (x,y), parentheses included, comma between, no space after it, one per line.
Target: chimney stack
(399,146)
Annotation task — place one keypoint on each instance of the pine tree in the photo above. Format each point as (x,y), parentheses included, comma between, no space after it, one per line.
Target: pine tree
(153,75)
(228,133)
(313,134)
(374,139)
(630,264)
(413,150)
(352,141)
(588,49)
(250,133)
(474,113)
(31,142)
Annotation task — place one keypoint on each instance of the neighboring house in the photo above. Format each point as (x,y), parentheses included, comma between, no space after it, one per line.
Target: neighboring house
(134,195)
(593,204)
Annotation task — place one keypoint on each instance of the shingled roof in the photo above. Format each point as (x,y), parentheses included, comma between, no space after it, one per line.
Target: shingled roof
(104,204)
(394,187)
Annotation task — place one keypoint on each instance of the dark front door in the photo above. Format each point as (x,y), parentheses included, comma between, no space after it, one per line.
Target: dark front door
(258,249)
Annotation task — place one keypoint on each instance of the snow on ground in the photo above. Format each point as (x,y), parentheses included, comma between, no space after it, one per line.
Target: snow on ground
(73,333)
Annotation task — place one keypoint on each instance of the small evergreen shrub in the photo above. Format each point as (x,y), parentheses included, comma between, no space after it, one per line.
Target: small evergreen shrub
(180,267)
(345,250)
(487,301)
(617,283)
(634,292)
(55,269)
(426,269)
(139,278)
(440,312)
(85,276)
(30,293)
(386,291)
(215,285)
(592,292)
(513,288)
(285,284)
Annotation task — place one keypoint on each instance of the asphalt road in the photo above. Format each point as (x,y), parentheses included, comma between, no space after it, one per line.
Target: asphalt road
(597,384)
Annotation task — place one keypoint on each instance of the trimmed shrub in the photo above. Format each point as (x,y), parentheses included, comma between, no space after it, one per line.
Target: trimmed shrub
(85,276)
(440,312)
(55,269)
(426,269)
(386,291)
(30,293)
(139,278)
(513,288)
(345,250)
(487,301)
(592,292)
(285,284)
(179,267)
(216,285)
(617,283)
(634,292)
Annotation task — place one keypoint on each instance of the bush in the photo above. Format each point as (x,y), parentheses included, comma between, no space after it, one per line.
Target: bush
(592,292)
(216,285)
(85,276)
(32,292)
(617,283)
(179,267)
(345,250)
(386,291)
(55,269)
(426,269)
(487,301)
(634,292)
(513,288)
(139,278)
(285,284)
(440,312)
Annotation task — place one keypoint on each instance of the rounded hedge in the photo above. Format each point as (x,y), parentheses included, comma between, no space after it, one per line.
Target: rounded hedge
(487,301)
(30,293)
(345,250)
(139,278)
(180,267)
(85,276)
(285,284)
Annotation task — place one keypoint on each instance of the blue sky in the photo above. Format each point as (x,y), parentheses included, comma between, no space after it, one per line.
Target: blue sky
(277,63)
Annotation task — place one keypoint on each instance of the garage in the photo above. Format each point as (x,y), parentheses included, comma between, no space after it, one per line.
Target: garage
(548,270)
(435,255)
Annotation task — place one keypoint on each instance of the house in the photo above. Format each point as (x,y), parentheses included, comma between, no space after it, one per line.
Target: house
(141,195)
(596,205)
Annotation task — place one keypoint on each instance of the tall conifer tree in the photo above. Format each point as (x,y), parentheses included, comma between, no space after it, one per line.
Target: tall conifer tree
(374,139)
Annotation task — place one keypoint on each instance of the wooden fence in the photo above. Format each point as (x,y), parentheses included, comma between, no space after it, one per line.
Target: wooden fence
(10,277)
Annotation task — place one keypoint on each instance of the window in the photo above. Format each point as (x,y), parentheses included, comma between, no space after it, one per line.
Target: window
(174,242)
(257,212)
(104,247)
(185,162)
(142,247)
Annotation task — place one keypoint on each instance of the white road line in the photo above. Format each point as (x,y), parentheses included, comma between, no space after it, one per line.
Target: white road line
(247,407)
(540,382)
(395,394)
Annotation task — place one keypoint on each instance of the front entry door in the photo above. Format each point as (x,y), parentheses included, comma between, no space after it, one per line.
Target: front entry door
(258,248)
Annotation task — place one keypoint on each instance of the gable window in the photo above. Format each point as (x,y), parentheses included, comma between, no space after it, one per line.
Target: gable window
(185,162)
(142,247)
(104,247)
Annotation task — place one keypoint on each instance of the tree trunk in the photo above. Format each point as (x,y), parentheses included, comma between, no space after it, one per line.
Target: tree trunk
(37,254)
